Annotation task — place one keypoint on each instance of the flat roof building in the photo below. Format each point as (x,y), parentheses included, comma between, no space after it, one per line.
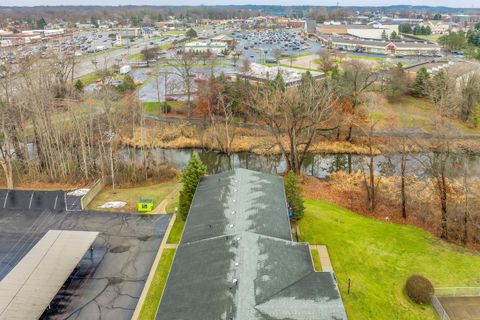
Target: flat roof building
(201,46)
(262,73)
(370,31)
(26,291)
(236,259)
(409,48)
(224,39)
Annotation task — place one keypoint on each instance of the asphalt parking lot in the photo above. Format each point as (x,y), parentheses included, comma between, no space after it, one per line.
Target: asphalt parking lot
(258,45)
(110,278)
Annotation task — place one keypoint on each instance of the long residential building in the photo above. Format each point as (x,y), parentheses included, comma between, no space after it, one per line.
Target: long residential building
(237,261)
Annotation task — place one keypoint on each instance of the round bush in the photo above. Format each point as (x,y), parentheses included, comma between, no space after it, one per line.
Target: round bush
(419,289)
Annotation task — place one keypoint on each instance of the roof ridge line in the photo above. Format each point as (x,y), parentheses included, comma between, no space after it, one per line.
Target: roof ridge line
(283,289)
(240,232)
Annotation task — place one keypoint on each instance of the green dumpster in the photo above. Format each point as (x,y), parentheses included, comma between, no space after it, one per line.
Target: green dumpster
(145,205)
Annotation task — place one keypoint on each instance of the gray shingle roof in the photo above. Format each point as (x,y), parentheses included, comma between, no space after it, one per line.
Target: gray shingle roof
(244,265)
(236,201)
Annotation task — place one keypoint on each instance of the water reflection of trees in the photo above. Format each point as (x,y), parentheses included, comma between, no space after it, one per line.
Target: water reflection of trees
(263,163)
(318,165)
(216,162)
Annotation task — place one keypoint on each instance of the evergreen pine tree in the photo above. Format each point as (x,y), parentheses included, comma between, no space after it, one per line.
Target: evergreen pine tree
(293,191)
(278,83)
(190,178)
(191,33)
(384,35)
(79,85)
(41,23)
(418,89)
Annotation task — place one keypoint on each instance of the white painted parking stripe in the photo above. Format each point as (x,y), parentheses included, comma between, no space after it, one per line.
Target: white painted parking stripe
(31,198)
(5,202)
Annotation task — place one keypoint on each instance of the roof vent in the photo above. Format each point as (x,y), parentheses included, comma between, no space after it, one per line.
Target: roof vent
(231,225)
(233,212)
(235,282)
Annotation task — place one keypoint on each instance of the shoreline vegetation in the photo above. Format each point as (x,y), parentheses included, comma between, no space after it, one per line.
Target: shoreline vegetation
(260,142)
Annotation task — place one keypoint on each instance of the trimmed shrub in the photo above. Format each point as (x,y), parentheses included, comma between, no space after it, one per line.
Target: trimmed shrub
(419,289)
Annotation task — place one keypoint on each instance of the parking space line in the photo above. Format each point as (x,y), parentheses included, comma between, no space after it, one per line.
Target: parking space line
(65,199)
(5,202)
(31,198)
(55,205)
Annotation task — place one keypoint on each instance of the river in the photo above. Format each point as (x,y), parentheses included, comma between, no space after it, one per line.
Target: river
(318,165)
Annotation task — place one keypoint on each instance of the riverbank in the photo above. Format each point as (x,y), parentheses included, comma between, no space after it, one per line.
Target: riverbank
(261,142)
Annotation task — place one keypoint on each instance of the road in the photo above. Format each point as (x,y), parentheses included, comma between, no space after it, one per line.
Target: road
(86,64)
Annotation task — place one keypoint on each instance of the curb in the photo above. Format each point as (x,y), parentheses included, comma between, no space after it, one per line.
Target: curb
(151,275)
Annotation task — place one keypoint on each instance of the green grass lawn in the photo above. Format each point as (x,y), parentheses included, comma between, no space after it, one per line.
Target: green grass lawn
(176,232)
(179,224)
(137,57)
(370,58)
(430,37)
(153,107)
(155,291)
(316,260)
(379,256)
(156,192)
(174,32)
(89,78)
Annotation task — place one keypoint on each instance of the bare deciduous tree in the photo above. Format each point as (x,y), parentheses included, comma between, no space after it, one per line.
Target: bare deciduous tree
(182,65)
(326,62)
(357,77)
(295,116)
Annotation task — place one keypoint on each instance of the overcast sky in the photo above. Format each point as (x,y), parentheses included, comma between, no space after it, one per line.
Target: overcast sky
(449,3)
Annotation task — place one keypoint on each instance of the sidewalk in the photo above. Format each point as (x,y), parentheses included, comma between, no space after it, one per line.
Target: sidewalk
(324,257)
(162,206)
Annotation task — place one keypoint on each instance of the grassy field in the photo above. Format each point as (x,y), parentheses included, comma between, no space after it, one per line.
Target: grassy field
(176,232)
(430,37)
(137,57)
(155,291)
(177,229)
(379,256)
(156,192)
(89,78)
(173,203)
(316,260)
(153,107)
(370,58)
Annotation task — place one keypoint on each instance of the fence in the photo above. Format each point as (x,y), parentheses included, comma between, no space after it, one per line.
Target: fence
(90,195)
(457,292)
(439,308)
